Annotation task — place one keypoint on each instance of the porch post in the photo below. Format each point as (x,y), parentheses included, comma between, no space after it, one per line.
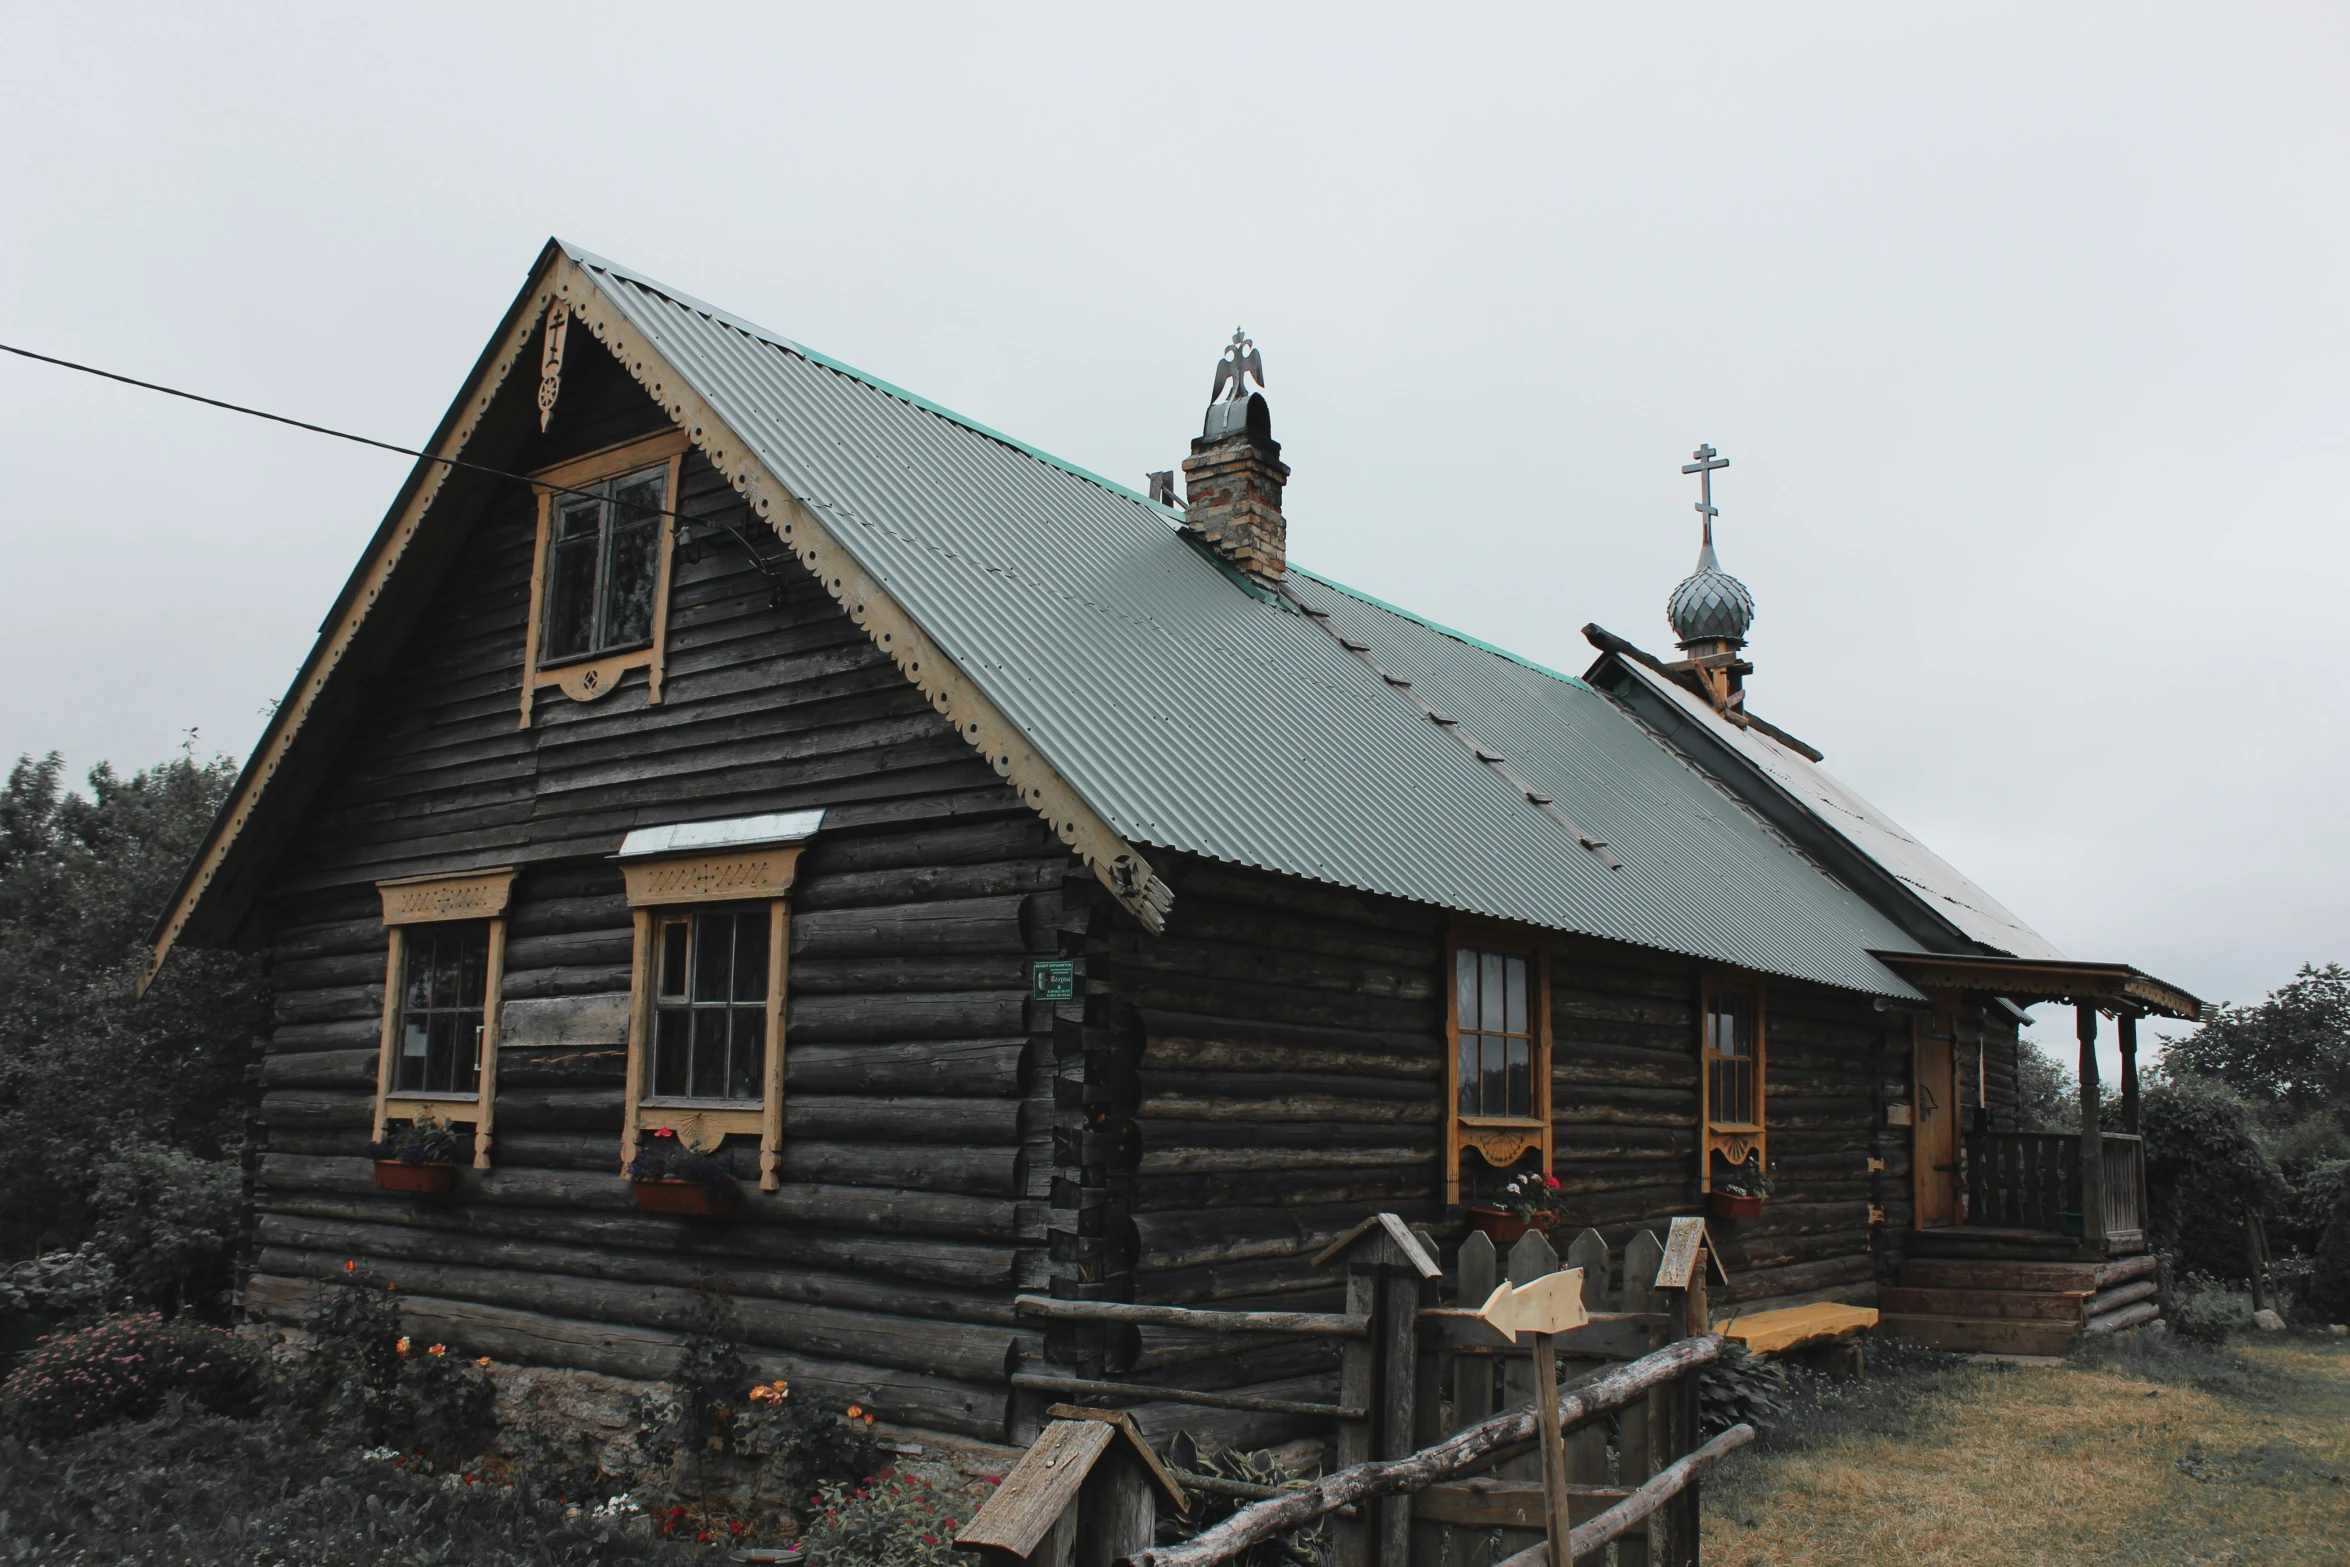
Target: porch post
(2092,1143)
(2129,1027)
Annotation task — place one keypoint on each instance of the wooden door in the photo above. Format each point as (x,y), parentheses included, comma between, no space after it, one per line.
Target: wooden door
(1935,1123)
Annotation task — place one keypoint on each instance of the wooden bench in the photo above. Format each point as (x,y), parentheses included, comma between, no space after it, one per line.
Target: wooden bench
(1803,1329)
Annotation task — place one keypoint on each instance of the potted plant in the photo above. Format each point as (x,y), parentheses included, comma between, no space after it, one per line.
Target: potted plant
(419,1156)
(1740,1194)
(1525,1204)
(669,1177)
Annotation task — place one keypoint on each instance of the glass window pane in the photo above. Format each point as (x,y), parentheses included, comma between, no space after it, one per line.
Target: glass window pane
(673,939)
(1491,1016)
(1464,996)
(465,1077)
(636,500)
(747,1077)
(571,599)
(1516,1016)
(671,1057)
(1493,1090)
(713,948)
(473,977)
(577,520)
(750,956)
(628,585)
(1467,1091)
(416,982)
(1521,1079)
(440,1051)
(709,1075)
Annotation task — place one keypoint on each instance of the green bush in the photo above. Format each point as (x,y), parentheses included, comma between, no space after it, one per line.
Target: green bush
(2205,1169)
(2327,1292)
(168,1222)
(1741,1388)
(894,1519)
(195,1490)
(364,1382)
(123,1368)
(2208,1311)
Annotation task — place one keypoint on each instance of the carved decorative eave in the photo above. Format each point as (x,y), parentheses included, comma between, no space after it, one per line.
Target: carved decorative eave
(2111,987)
(561,281)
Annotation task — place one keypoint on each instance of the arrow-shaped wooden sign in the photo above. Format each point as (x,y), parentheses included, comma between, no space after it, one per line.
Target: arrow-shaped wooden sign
(1551,1304)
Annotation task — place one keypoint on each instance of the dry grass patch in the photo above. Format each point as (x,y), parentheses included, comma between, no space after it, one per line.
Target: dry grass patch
(2152,1454)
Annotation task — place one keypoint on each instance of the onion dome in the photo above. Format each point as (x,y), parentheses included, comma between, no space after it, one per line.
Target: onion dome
(1710,604)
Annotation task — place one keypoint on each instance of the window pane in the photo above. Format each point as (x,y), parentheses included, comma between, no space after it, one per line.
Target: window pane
(416,987)
(1521,1076)
(636,500)
(448,971)
(628,585)
(571,598)
(748,1075)
(670,1053)
(466,1077)
(440,1052)
(709,1076)
(1516,1017)
(473,971)
(1494,1087)
(1468,1084)
(750,956)
(673,934)
(713,946)
(1490,1015)
(577,520)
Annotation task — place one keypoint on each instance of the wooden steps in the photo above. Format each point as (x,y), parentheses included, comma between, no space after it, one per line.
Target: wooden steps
(2012,1293)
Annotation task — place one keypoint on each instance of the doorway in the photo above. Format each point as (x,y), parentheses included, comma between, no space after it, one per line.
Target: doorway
(1935,1124)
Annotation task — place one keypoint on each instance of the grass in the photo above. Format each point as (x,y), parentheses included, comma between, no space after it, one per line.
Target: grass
(2145,1451)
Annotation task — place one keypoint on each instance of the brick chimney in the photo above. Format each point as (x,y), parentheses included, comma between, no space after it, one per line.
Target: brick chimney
(1232,480)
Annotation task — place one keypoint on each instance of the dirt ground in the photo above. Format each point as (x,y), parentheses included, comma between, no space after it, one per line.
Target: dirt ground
(2148,1453)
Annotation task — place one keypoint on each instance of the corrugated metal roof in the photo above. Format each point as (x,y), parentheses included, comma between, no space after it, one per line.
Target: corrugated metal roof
(1935,881)
(1194,715)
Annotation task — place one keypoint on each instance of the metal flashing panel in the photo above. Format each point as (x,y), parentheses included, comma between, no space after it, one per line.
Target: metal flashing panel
(744,832)
(1194,716)
(1931,879)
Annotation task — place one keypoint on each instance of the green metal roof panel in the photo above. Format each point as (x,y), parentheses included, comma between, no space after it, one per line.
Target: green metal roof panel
(1193,715)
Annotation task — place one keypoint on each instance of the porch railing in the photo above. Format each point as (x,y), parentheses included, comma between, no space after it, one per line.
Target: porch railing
(2029,1180)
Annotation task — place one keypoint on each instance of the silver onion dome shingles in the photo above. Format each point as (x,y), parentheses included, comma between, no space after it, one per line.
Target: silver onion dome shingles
(1710,603)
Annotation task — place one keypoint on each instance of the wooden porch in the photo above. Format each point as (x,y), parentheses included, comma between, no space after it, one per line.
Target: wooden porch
(2051,1238)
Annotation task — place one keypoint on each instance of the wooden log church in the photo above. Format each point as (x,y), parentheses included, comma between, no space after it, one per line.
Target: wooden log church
(1032,885)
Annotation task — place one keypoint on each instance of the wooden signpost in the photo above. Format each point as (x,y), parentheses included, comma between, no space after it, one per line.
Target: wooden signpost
(1545,1308)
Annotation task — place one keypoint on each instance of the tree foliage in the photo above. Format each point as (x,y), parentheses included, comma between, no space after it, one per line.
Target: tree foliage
(2292,1049)
(98,1088)
(2048,1095)
(2205,1170)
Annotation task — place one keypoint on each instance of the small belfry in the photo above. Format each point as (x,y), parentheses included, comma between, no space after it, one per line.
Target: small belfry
(1711,610)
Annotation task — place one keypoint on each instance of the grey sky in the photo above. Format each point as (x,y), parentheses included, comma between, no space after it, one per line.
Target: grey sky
(2022,328)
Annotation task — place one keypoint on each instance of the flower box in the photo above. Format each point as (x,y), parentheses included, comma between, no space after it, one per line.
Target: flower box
(425,1180)
(1505,1227)
(1732,1205)
(688,1197)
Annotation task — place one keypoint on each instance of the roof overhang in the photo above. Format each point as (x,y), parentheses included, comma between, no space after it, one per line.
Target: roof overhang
(2113,987)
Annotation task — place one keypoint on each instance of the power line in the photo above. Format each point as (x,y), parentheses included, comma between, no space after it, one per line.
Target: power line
(345,435)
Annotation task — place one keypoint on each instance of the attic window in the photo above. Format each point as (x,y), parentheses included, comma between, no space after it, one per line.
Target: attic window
(599,597)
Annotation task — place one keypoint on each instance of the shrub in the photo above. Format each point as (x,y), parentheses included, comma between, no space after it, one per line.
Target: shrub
(893,1520)
(123,1368)
(803,1441)
(367,1383)
(2208,1311)
(168,1222)
(1741,1388)
(2327,1291)
(73,1285)
(195,1490)
(2205,1169)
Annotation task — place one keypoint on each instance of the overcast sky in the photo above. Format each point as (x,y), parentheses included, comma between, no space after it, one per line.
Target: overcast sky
(2023,330)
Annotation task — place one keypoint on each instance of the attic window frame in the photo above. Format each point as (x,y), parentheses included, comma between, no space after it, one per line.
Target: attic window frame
(593,675)
(455,898)
(1733,1140)
(1500,1140)
(662,886)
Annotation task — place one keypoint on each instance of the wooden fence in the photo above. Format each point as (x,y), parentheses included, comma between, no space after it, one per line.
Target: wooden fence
(2026,1180)
(1435,1427)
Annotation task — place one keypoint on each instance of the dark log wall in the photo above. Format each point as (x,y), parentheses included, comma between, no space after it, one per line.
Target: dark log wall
(918,1127)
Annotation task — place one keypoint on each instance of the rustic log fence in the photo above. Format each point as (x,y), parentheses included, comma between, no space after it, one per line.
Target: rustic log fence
(1436,1435)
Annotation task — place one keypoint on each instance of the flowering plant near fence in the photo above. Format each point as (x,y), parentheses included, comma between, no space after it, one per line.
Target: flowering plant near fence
(123,1368)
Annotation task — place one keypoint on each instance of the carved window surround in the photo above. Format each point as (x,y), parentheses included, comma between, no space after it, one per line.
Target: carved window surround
(586,679)
(436,900)
(677,868)
(1499,1140)
(1734,1138)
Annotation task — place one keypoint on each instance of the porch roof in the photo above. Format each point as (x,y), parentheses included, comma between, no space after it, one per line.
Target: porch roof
(2112,986)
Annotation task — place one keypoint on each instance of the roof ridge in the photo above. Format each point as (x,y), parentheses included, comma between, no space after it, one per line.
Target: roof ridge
(774,339)
(1440,629)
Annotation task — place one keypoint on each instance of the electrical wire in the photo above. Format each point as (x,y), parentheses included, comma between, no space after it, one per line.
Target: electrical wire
(345,435)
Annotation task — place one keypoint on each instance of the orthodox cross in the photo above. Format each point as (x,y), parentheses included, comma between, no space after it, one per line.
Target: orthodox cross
(1240,359)
(1707,461)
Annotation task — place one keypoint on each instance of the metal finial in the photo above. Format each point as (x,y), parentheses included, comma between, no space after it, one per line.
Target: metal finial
(1710,604)
(1240,360)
